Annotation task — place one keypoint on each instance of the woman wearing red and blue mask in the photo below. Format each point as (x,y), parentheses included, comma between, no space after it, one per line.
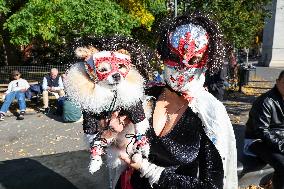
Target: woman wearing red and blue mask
(192,143)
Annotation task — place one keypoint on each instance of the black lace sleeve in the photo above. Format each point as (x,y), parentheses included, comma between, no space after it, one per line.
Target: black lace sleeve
(90,122)
(210,171)
(136,113)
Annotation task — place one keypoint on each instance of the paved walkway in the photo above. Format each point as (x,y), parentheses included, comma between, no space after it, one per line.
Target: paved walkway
(38,135)
(42,152)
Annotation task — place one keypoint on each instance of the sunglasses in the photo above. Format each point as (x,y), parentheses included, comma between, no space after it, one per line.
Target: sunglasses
(16,75)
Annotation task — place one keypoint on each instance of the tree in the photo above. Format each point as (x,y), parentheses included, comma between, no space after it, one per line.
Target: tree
(47,24)
(149,13)
(240,20)
(59,20)
(9,52)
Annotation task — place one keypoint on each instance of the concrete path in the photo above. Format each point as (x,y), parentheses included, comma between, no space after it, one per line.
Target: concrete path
(42,152)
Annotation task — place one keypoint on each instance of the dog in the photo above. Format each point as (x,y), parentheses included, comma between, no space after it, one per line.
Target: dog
(105,83)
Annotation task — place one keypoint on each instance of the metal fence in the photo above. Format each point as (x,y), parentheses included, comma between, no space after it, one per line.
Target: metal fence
(30,73)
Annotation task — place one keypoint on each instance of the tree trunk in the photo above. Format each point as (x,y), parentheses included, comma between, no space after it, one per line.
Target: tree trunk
(12,53)
(2,20)
(4,54)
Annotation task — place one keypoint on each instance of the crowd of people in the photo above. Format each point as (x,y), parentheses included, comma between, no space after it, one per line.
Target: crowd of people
(192,142)
(52,84)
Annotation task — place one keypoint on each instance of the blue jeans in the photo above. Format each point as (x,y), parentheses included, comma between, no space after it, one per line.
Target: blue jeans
(20,96)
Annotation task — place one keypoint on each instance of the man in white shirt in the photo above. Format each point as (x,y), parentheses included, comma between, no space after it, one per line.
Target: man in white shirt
(16,90)
(52,83)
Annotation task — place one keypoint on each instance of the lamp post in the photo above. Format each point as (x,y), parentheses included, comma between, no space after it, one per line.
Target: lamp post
(176,8)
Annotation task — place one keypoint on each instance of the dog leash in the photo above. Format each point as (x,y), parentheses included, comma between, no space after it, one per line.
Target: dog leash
(140,139)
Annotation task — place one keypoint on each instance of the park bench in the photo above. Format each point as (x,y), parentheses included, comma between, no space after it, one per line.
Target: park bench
(3,87)
(251,170)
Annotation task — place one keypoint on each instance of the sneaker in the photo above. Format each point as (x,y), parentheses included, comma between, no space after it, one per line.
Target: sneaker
(2,117)
(46,110)
(21,116)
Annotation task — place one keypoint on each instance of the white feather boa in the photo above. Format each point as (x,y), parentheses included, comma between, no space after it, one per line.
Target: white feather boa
(217,126)
(95,98)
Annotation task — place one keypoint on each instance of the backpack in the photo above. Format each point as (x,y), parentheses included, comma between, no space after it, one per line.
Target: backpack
(71,112)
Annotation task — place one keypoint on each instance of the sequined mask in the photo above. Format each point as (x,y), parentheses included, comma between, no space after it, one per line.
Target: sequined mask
(189,42)
(106,63)
(179,78)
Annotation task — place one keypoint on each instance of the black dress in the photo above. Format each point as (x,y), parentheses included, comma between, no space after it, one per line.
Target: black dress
(190,158)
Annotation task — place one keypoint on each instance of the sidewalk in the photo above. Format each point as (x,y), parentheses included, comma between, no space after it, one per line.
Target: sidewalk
(41,152)
(238,104)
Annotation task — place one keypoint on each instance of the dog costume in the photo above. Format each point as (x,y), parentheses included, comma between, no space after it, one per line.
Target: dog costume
(109,81)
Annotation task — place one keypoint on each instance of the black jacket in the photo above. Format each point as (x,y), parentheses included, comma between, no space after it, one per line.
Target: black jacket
(266,120)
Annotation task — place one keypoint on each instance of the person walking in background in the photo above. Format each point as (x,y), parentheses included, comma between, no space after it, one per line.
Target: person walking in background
(215,83)
(52,83)
(16,90)
(265,130)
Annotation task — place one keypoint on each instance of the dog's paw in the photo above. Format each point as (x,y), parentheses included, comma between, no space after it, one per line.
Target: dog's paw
(95,164)
(142,149)
(137,158)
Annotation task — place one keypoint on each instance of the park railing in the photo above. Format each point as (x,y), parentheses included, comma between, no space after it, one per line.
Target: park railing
(30,73)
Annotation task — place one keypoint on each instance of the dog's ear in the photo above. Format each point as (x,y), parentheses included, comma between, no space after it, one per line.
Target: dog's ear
(123,51)
(93,50)
(83,52)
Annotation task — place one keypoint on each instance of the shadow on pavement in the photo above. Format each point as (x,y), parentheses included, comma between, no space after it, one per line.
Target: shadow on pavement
(239,97)
(53,115)
(256,87)
(60,171)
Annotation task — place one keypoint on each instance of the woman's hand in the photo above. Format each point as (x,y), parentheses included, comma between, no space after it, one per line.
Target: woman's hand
(135,165)
(116,124)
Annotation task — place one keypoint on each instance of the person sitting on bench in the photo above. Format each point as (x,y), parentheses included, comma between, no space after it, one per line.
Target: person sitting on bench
(265,130)
(16,90)
(53,84)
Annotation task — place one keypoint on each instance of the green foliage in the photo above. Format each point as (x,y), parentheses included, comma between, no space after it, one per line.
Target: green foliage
(159,10)
(4,9)
(240,20)
(53,22)
(58,20)
(156,7)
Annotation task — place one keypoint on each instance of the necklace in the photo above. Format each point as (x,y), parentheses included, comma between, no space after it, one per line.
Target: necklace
(169,116)
(166,126)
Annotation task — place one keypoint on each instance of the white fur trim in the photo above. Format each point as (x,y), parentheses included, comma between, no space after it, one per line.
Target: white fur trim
(142,126)
(218,128)
(151,171)
(95,164)
(96,97)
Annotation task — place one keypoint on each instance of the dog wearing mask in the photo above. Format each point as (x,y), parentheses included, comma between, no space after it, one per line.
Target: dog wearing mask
(105,83)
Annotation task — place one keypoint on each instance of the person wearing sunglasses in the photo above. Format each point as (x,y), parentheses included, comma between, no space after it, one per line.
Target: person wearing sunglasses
(16,90)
